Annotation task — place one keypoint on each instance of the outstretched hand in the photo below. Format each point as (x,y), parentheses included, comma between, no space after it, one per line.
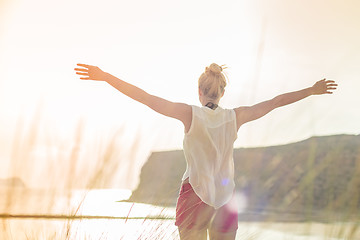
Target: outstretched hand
(324,87)
(90,72)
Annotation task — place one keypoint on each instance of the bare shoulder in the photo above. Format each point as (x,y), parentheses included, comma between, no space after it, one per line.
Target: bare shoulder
(242,115)
(183,108)
(241,111)
(184,114)
(251,113)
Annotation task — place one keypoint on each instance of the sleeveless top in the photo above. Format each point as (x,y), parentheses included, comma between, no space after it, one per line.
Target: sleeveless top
(208,150)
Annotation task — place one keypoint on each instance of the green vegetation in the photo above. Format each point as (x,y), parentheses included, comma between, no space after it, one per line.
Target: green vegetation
(316,179)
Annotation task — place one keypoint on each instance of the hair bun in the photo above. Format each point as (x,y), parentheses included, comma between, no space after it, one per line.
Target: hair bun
(215,68)
(212,82)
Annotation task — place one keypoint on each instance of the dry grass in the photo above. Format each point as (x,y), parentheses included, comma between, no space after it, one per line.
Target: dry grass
(65,170)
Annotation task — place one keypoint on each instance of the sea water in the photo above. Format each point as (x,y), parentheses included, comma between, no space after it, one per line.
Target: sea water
(38,214)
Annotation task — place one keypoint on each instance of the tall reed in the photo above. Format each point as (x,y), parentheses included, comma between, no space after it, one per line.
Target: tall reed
(67,170)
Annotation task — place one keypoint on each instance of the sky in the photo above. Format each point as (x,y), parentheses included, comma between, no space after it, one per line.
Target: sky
(269,46)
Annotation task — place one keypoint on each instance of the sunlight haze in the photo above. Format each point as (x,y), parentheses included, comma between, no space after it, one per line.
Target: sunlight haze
(269,47)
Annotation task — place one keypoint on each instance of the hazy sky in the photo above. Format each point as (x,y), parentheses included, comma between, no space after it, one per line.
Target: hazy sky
(269,46)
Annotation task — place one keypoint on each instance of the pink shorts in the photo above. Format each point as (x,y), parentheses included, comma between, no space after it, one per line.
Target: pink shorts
(193,213)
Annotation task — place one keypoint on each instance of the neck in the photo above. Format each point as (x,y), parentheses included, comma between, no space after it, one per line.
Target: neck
(211,105)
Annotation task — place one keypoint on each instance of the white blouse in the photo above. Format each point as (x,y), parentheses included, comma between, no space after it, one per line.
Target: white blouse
(208,149)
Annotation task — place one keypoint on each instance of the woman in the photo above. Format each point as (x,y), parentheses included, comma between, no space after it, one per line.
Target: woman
(205,201)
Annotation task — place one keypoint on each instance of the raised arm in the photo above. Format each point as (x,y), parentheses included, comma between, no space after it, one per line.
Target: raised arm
(250,113)
(178,111)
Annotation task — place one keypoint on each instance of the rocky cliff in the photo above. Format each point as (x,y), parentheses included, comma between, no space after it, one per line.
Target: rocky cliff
(317,174)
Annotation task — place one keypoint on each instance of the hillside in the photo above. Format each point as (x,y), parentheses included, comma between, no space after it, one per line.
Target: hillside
(317,176)
(12,182)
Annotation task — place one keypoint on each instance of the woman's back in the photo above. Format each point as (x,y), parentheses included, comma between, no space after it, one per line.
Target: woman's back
(208,149)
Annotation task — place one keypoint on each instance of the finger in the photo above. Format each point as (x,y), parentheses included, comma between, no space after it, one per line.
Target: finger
(84,74)
(84,65)
(331,88)
(332,85)
(87,78)
(329,81)
(81,69)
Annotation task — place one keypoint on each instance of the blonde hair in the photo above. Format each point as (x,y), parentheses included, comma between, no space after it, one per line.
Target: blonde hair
(212,82)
